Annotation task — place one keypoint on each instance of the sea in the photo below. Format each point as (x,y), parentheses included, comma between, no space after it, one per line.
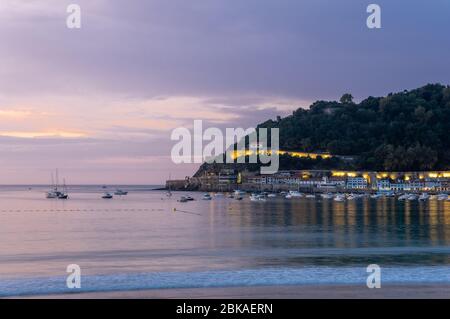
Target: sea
(147,240)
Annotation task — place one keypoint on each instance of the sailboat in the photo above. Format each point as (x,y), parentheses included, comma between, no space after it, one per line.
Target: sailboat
(54,193)
(63,194)
(169,193)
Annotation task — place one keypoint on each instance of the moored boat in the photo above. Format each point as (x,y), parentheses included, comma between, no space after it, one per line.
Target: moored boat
(120,192)
(327,196)
(206,197)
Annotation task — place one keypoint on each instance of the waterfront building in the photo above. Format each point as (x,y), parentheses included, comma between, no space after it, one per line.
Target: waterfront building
(357,183)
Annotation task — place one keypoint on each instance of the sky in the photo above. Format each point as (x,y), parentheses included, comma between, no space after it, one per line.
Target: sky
(100,102)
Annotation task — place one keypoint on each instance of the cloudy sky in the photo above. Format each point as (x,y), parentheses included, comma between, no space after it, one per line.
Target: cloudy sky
(100,102)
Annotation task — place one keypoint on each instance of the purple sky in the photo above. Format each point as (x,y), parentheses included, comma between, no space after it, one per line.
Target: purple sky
(99,103)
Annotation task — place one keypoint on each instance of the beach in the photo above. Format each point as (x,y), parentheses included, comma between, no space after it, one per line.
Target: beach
(272,292)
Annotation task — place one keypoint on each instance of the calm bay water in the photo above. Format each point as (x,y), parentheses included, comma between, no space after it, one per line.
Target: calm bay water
(146,240)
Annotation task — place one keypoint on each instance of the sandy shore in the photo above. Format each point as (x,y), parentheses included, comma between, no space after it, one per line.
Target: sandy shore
(274,292)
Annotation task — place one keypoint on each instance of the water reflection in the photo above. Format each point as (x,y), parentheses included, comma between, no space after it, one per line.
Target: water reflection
(328,232)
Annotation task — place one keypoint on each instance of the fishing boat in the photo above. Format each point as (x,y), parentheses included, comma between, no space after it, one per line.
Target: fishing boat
(107,196)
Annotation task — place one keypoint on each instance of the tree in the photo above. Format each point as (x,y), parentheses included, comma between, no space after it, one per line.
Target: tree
(347,98)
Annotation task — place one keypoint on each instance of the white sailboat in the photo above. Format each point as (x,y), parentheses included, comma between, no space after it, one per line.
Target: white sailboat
(63,194)
(54,193)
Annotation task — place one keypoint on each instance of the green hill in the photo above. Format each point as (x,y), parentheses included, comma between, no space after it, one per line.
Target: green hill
(402,131)
(405,131)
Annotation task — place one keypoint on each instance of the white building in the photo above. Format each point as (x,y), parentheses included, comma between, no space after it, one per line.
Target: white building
(357,183)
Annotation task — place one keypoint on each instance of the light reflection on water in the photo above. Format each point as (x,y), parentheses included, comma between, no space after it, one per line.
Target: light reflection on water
(142,233)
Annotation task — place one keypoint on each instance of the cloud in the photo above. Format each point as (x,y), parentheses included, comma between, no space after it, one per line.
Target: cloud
(114,89)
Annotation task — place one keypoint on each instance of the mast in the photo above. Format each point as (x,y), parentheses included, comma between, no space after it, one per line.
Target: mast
(53,180)
(57,180)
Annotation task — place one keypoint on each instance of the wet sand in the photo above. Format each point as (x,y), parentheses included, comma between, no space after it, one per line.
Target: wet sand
(273,292)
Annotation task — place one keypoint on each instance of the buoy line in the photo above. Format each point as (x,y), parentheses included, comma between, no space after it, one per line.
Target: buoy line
(81,210)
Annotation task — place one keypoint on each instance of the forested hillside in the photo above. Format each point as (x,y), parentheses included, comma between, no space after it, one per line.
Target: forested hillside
(402,131)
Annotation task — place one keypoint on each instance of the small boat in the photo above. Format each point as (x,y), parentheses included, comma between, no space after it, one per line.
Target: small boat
(107,196)
(351,197)
(288,196)
(230,196)
(376,196)
(183,199)
(272,195)
(442,197)
(327,196)
(311,196)
(189,198)
(238,197)
(295,194)
(389,194)
(219,195)
(253,197)
(206,197)
(339,198)
(238,192)
(412,197)
(120,192)
(403,197)
(52,194)
(424,197)
(63,196)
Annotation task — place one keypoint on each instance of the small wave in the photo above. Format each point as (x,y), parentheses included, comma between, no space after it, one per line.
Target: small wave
(229,278)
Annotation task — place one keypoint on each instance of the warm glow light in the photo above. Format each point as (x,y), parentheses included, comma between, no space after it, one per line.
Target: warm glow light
(43,134)
(237,154)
